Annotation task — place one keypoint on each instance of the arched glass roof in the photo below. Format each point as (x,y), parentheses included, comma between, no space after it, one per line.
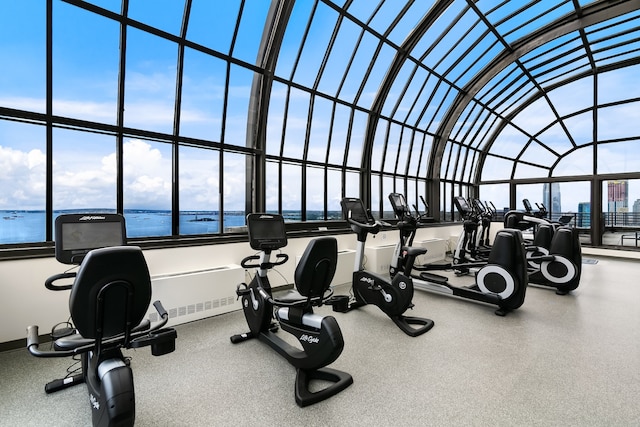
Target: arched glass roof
(192,106)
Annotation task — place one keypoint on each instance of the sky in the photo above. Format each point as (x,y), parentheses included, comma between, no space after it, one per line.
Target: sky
(85,86)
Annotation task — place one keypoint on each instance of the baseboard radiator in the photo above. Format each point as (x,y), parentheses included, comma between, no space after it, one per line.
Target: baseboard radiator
(436,250)
(195,295)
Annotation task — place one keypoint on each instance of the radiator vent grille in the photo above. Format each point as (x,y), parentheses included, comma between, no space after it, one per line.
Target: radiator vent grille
(195,295)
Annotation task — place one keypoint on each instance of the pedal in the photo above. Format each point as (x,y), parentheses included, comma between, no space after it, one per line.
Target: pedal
(430,277)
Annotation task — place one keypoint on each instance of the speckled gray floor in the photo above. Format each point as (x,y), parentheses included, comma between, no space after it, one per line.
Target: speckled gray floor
(569,360)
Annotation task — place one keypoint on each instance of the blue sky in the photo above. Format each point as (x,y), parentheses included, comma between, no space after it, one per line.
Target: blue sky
(85,76)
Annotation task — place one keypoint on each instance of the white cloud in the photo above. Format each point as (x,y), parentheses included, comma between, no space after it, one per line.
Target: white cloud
(22,179)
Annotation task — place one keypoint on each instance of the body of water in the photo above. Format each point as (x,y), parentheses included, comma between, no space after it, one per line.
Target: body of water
(29,226)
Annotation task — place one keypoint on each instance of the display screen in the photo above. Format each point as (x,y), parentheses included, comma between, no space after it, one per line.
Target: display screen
(399,205)
(91,235)
(462,205)
(77,234)
(354,209)
(266,231)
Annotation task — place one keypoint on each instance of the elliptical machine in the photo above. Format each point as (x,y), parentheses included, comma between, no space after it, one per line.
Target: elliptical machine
(319,336)
(394,296)
(109,298)
(501,280)
(555,253)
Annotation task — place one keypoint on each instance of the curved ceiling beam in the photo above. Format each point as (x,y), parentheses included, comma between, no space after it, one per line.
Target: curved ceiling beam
(272,36)
(385,87)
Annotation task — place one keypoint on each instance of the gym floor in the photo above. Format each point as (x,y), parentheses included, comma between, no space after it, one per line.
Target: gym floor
(570,360)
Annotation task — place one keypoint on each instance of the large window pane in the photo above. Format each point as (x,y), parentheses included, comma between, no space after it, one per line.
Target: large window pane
(296,126)
(532,192)
(235,128)
(199,190)
(618,121)
(85,65)
(203,86)
(277,109)
(233,187)
(150,82)
(84,172)
(496,168)
(320,128)
(315,194)
(498,194)
(339,133)
(291,192)
(356,141)
(343,48)
(22,182)
(573,199)
(23,46)
(272,185)
(147,188)
(618,157)
(315,45)
(334,194)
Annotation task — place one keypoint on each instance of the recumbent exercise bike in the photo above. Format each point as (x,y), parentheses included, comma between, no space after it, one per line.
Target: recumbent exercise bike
(319,336)
(109,298)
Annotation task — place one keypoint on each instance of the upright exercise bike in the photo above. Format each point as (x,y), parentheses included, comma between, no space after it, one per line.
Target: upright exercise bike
(394,296)
(319,336)
(501,280)
(109,298)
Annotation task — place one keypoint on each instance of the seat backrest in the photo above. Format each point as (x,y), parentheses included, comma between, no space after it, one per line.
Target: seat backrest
(317,267)
(120,276)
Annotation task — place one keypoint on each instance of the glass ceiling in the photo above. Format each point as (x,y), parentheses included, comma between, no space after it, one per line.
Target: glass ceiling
(309,101)
(485,80)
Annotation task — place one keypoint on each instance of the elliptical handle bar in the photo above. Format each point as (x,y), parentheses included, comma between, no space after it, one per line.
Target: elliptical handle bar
(369,228)
(49,282)
(247,261)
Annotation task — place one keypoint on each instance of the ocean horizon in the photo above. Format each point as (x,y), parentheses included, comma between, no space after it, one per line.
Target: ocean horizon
(28,226)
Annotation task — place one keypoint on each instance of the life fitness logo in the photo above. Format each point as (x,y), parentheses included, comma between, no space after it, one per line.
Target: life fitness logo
(309,339)
(91,218)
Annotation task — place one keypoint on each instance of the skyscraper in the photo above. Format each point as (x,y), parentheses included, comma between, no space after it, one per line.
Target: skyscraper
(584,215)
(618,196)
(551,197)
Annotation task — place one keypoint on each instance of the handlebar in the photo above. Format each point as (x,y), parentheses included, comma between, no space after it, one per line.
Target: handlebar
(369,228)
(160,309)
(32,336)
(49,282)
(280,259)
(33,341)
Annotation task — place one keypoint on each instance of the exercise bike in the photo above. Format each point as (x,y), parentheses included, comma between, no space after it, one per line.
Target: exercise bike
(501,280)
(319,336)
(109,299)
(394,296)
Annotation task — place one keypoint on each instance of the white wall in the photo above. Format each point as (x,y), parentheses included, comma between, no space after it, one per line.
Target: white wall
(25,301)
